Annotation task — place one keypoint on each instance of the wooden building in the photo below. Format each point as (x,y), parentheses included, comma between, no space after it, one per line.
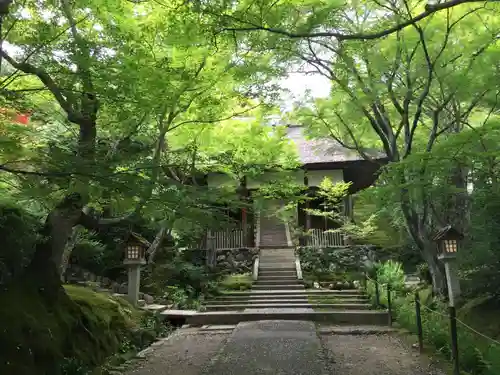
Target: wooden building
(260,226)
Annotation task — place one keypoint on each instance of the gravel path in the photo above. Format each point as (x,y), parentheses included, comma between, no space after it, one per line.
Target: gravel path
(374,355)
(183,353)
(272,347)
(280,348)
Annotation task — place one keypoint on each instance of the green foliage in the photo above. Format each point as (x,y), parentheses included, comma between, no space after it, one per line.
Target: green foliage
(392,273)
(236,282)
(72,337)
(478,355)
(180,282)
(18,230)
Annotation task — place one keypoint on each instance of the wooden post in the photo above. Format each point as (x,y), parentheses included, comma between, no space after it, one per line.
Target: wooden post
(308,217)
(244,228)
(377,292)
(419,323)
(454,339)
(389,304)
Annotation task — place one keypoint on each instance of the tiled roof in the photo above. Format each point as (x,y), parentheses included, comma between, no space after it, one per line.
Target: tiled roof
(323,150)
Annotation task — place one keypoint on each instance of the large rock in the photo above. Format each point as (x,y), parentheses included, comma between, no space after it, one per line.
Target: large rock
(149,299)
(123,289)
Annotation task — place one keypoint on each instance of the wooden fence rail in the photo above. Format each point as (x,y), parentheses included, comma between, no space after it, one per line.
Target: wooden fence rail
(320,238)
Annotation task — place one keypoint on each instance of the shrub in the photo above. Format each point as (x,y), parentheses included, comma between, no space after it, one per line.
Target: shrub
(391,273)
(196,280)
(18,231)
(477,355)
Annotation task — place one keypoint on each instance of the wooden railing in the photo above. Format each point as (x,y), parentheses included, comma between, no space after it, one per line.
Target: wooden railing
(320,238)
(231,238)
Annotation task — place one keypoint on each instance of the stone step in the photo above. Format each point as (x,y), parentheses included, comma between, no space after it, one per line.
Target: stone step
(332,306)
(277,286)
(279,271)
(277,278)
(285,297)
(277,250)
(273,268)
(273,247)
(241,301)
(276,274)
(297,291)
(277,265)
(353,317)
(282,281)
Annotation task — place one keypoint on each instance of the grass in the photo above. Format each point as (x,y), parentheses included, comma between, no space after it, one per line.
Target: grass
(237,282)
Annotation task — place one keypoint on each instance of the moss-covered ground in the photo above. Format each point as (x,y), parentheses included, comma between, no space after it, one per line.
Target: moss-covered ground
(70,337)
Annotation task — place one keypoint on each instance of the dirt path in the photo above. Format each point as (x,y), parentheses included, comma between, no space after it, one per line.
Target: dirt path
(280,348)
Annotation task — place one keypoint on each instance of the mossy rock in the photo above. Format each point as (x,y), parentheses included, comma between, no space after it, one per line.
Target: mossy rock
(80,331)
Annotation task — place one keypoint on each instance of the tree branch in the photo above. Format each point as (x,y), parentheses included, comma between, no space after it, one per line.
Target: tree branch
(429,10)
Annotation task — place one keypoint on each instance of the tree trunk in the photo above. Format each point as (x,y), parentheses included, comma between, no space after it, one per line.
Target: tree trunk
(153,248)
(427,248)
(44,267)
(435,269)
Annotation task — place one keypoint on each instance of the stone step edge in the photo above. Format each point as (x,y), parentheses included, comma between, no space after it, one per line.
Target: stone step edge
(297,291)
(346,306)
(338,317)
(356,330)
(280,300)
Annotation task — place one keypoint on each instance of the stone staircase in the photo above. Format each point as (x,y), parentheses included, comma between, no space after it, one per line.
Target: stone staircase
(279,294)
(272,233)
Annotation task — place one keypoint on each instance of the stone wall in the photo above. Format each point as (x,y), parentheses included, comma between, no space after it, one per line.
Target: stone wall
(330,259)
(227,261)
(236,260)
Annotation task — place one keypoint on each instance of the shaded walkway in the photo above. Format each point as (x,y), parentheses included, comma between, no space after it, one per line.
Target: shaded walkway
(279,348)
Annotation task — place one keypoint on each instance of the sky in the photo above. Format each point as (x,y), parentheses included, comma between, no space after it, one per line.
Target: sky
(300,83)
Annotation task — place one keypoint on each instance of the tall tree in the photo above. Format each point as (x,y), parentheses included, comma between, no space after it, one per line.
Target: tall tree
(399,94)
(125,75)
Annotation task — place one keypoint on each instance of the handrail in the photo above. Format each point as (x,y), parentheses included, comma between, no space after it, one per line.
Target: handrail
(288,236)
(255,274)
(298,267)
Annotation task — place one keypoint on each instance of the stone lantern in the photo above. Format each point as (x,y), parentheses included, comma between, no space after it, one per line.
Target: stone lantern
(135,257)
(447,240)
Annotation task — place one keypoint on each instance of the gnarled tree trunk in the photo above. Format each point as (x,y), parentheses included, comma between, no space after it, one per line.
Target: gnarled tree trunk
(420,235)
(43,270)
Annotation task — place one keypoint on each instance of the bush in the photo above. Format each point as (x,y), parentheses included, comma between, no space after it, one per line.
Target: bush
(18,231)
(477,355)
(180,282)
(391,273)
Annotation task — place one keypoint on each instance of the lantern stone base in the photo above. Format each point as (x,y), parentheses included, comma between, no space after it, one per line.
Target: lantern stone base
(134,281)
